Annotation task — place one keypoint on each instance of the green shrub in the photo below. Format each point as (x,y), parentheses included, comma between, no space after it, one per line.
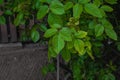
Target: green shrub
(75,29)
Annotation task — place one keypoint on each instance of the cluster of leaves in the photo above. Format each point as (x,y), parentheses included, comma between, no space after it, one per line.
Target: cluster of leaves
(75,29)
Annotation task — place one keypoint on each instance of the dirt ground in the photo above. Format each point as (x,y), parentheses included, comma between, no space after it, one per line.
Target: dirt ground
(19,62)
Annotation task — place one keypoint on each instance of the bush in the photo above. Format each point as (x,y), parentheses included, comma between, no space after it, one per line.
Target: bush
(79,30)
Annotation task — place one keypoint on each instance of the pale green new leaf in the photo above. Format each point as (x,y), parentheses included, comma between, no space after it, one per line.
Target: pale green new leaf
(50,32)
(57,7)
(111,34)
(42,11)
(88,45)
(81,34)
(99,29)
(66,34)
(58,43)
(93,10)
(79,46)
(77,10)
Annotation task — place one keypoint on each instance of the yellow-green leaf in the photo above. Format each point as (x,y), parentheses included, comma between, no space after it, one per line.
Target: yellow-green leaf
(79,46)
(81,34)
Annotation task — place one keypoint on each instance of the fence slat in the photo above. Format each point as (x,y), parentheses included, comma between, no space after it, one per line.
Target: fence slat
(31,23)
(13,32)
(4,33)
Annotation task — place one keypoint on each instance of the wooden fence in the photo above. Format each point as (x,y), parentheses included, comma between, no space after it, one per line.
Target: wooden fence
(9,33)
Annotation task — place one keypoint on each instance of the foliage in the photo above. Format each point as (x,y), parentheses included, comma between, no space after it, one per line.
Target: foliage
(75,29)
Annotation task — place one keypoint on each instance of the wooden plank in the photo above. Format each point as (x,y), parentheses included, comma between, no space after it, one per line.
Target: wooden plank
(20,31)
(13,32)
(31,23)
(4,33)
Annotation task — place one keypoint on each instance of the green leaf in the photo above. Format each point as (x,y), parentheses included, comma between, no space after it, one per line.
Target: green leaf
(97,3)
(54,19)
(70,44)
(83,1)
(50,32)
(1,1)
(81,34)
(92,25)
(118,46)
(57,7)
(35,36)
(93,10)
(43,27)
(46,1)
(77,10)
(77,69)
(111,33)
(51,67)
(2,20)
(8,12)
(58,43)
(44,70)
(106,24)
(88,45)
(107,8)
(99,29)
(103,13)
(66,55)
(51,52)
(111,1)
(18,19)
(89,51)
(57,26)
(79,46)
(48,68)
(42,11)
(108,76)
(68,5)
(66,34)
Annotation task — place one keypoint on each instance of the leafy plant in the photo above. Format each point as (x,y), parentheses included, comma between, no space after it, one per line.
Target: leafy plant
(76,30)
